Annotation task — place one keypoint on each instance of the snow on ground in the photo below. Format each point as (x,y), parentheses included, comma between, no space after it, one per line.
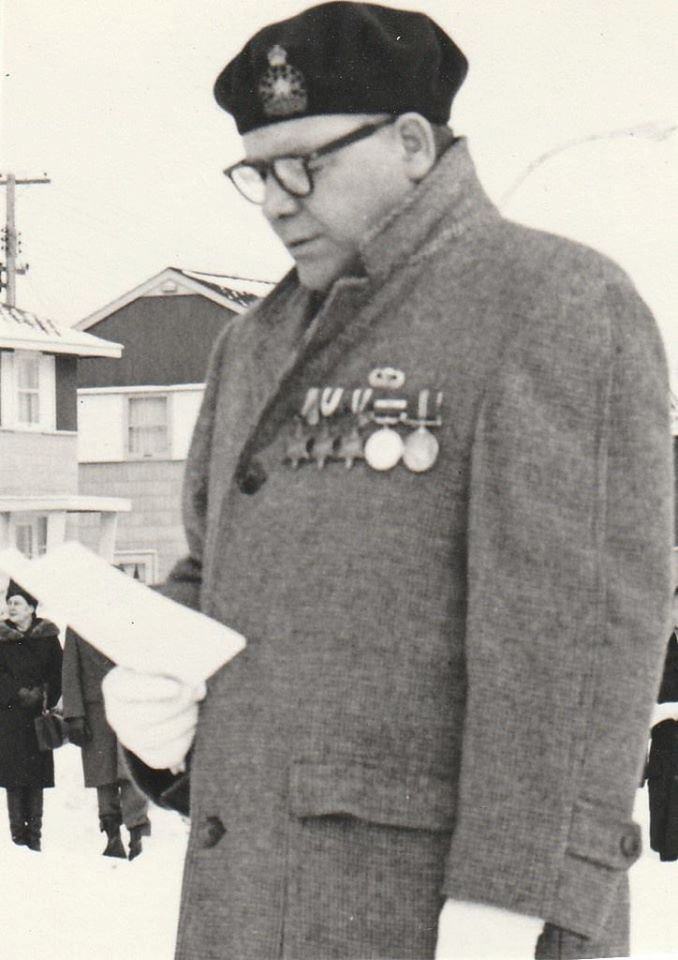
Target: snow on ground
(70,903)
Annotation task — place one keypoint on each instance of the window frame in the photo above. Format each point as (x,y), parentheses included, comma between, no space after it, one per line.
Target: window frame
(165,454)
(148,558)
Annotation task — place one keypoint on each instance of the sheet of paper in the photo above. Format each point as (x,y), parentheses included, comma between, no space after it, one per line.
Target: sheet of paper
(129,623)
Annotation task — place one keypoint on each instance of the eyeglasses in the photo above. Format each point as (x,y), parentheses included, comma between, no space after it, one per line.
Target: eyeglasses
(293,173)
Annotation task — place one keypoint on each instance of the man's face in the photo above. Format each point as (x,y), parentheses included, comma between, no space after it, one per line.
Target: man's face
(352,190)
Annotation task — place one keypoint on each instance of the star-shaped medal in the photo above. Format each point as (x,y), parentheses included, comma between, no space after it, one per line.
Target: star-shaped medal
(323,446)
(298,445)
(351,448)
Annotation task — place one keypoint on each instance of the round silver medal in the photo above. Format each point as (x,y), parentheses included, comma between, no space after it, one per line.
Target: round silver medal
(420,450)
(383,449)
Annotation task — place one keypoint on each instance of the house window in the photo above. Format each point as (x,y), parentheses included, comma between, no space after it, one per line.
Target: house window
(140,565)
(28,388)
(31,536)
(147,433)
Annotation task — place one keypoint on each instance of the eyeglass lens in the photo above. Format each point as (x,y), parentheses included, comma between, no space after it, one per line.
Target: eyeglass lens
(290,172)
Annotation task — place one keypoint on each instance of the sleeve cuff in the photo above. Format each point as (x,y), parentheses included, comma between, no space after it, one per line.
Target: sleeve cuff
(572,888)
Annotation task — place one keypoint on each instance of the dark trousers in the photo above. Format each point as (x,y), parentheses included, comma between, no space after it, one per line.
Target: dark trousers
(24,806)
(121,802)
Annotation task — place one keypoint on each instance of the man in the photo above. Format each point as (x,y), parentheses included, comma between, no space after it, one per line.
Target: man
(430,484)
(103,767)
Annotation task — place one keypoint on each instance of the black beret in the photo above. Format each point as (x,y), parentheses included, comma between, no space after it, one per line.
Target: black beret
(14,590)
(343,58)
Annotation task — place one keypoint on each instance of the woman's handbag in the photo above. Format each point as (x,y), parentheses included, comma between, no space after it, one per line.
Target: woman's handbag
(50,729)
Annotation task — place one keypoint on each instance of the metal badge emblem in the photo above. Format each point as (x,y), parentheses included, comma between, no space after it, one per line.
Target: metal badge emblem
(383,449)
(282,89)
(421,448)
(386,377)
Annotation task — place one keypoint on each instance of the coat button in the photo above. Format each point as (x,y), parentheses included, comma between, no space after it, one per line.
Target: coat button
(210,832)
(251,477)
(630,844)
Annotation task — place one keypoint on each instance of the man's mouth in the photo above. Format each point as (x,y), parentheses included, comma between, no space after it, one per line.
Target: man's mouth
(301,245)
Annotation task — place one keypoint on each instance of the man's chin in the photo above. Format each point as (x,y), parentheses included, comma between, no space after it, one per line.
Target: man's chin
(318,275)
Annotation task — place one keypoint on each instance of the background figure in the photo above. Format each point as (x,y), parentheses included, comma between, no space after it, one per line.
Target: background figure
(662,768)
(30,668)
(103,767)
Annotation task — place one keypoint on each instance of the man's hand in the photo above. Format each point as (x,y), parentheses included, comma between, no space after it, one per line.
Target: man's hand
(467,931)
(78,731)
(30,696)
(153,716)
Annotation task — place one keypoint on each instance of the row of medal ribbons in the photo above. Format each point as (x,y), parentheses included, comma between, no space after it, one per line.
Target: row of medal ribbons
(365,428)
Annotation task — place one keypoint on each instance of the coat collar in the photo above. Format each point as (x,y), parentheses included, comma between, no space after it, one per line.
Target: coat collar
(41,629)
(446,203)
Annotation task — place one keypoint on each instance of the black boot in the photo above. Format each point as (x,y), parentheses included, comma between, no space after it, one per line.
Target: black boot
(114,847)
(17,815)
(34,818)
(135,835)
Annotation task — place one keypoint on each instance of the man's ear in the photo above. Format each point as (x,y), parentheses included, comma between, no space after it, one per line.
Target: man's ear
(417,143)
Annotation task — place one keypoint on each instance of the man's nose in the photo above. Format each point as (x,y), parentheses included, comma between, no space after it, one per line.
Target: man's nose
(277,201)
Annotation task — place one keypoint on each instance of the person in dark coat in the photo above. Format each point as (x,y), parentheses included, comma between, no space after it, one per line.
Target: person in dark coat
(30,670)
(103,765)
(662,767)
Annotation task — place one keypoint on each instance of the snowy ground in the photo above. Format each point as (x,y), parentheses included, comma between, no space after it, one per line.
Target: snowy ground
(70,903)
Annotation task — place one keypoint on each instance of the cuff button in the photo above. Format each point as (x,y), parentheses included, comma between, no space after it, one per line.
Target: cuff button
(630,844)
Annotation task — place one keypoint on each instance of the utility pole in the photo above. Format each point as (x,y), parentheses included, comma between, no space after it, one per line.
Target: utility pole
(11,237)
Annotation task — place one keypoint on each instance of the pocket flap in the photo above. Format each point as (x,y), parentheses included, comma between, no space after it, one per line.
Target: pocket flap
(602,836)
(372,793)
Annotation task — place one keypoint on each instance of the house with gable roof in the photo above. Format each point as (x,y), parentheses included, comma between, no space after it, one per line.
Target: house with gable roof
(38,435)
(137,414)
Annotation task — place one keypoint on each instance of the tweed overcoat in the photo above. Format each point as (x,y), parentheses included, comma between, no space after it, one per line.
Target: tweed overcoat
(449,675)
(83,670)
(27,659)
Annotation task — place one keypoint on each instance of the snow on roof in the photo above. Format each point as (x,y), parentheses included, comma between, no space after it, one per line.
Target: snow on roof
(234,293)
(239,289)
(22,330)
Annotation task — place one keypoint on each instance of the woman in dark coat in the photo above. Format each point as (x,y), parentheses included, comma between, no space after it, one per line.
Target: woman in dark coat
(30,662)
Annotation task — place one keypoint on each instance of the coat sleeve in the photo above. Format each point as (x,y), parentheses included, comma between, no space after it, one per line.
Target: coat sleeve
(185,579)
(569,590)
(74,705)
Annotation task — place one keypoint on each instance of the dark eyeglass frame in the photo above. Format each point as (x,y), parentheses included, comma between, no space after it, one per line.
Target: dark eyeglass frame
(264,168)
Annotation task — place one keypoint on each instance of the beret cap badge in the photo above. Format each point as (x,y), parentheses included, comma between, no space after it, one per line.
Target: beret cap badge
(282,88)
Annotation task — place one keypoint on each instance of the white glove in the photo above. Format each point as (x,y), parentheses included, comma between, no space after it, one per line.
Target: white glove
(153,716)
(474,930)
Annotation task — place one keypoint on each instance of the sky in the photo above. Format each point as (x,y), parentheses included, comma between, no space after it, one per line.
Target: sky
(113,102)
